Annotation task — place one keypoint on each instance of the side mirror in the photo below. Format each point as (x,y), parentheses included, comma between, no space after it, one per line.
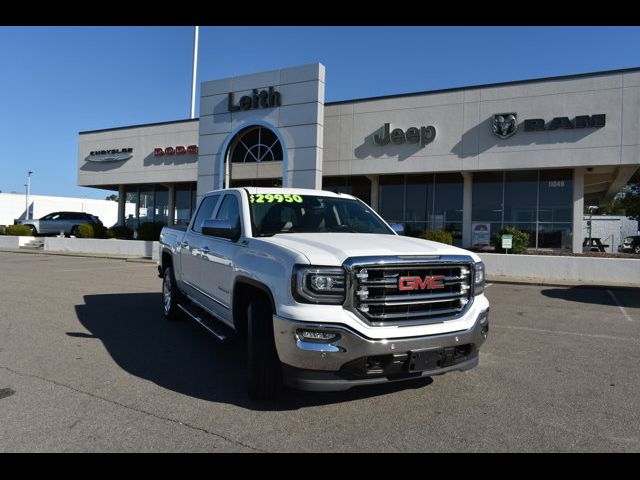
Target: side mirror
(221,228)
(398,228)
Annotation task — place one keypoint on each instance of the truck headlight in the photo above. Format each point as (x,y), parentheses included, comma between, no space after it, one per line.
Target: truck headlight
(478,280)
(318,284)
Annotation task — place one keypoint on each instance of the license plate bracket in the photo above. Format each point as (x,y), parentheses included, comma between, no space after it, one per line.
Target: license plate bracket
(429,359)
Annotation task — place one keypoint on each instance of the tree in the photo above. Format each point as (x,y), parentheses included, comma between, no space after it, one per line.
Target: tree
(113,197)
(630,197)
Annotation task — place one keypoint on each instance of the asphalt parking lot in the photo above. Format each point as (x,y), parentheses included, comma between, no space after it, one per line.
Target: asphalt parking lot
(87,363)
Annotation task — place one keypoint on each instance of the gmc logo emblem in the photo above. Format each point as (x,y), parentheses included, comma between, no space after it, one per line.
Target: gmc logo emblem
(417,283)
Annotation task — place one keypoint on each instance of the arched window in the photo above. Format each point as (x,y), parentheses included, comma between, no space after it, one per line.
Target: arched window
(255,144)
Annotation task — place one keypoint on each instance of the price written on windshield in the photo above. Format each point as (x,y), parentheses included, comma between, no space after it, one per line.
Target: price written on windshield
(275,198)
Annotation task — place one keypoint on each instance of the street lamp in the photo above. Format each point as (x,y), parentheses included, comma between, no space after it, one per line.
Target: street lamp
(28,185)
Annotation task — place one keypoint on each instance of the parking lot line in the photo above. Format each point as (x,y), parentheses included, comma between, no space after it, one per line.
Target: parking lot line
(561,332)
(624,312)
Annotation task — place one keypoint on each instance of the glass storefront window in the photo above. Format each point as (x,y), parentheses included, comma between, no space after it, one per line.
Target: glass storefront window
(356,185)
(161,205)
(556,196)
(131,199)
(487,197)
(448,197)
(520,196)
(391,201)
(418,198)
(537,202)
(183,203)
(555,235)
(145,205)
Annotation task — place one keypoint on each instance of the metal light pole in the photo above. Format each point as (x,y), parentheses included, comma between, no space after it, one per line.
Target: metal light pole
(592,208)
(195,69)
(28,191)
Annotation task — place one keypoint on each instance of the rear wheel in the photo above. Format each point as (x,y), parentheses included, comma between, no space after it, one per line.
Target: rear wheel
(264,377)
(170,295)
(637,249)
(75,231)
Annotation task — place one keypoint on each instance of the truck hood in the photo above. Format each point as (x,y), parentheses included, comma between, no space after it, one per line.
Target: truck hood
(335,248)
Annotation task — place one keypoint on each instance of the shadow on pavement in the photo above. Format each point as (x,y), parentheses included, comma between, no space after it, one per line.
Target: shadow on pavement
(181,356)
(628,297)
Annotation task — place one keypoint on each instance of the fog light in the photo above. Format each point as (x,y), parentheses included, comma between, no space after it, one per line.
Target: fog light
(317,336)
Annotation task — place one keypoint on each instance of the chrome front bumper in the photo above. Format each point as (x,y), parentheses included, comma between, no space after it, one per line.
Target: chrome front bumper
(317,366)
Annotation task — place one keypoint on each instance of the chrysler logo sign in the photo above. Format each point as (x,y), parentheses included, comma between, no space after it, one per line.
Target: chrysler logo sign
(112,155)
(505,124)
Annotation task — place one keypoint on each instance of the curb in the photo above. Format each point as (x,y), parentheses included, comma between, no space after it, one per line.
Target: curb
(80,254)
(556,283)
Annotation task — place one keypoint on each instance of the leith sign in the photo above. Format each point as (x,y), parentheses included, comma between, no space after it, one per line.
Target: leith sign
(263,99)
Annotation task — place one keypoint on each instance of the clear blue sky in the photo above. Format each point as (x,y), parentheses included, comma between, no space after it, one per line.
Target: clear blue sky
(57,81)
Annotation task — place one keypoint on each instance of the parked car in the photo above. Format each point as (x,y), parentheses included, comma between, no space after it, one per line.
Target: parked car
(630,244)
(326,293)
(56,222)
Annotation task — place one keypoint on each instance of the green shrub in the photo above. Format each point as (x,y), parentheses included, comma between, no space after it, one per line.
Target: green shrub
(85,231)
(438,236)
(100,231)
(520,240)
(120,232)
(150,231)
(18,230)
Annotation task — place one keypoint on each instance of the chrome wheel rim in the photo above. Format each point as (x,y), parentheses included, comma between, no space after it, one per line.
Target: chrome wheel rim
(166,293)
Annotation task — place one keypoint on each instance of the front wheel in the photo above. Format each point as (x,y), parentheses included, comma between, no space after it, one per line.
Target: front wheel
(170,295)
(264,377)
(637,249)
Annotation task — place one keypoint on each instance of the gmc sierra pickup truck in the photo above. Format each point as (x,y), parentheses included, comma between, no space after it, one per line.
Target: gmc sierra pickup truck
(327,295)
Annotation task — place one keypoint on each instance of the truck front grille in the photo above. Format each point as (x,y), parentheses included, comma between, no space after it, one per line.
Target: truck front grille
(409,294)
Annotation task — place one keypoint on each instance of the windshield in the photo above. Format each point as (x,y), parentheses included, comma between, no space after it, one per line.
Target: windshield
(286,213)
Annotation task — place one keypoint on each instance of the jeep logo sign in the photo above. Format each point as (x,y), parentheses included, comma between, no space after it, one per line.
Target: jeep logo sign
(397,136)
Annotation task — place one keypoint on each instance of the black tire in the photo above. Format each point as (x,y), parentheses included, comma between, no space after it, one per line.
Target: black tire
(171,296)
(637,249)
(34,232)
(74,232)
(264,375)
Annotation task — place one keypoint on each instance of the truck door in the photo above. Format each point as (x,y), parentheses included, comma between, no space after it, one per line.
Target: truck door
(217,264)
(191,250)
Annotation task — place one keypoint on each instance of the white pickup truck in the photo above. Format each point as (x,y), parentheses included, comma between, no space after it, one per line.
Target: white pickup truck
(326,293)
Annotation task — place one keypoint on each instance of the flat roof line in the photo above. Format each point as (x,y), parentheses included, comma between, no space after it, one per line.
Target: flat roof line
(139,126)
(409,94)
(489,85)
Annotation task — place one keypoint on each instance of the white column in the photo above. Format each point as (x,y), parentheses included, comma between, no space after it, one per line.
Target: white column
(172,204)
(466,209)
(375,185)
(578,208)
(122,201)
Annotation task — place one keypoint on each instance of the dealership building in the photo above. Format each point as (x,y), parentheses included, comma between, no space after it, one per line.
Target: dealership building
(530,154)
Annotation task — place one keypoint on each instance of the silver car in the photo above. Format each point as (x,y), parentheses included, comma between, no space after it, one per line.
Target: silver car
(56,222)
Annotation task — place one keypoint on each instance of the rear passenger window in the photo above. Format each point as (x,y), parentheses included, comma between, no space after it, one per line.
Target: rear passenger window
(205,212)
